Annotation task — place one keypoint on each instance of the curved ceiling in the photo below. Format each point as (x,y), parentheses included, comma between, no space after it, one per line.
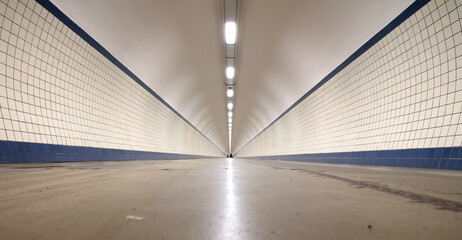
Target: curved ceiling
(285,47)
(174,47)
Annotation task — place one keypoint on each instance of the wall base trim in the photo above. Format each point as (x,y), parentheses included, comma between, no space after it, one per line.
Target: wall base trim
(24,152)
(436,158)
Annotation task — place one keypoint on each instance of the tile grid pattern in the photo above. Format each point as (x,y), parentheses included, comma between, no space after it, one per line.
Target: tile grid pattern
(55,88)
(405,92)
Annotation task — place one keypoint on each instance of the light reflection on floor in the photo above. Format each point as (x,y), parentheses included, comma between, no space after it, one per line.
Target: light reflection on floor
(231,224)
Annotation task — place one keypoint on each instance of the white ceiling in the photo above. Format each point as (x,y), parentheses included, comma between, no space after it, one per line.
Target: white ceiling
(175,47)
(285,47)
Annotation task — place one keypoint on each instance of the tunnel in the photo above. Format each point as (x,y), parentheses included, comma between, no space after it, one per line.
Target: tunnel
(230,119)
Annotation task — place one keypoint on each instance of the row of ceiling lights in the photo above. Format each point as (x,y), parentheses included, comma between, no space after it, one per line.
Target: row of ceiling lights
(230,37)
(230,18)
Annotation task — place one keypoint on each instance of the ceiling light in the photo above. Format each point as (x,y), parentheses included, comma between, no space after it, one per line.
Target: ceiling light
(230,72)
(230,32)
(230,92)
(230,120)
(230,106)
(230,114)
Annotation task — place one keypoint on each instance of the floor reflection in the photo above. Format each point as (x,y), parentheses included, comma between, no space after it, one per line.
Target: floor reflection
(231,214)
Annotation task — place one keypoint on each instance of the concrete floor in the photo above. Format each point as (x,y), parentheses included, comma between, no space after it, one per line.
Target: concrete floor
(227,199)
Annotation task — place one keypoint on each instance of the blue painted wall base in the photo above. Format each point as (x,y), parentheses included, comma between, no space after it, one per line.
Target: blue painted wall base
(437,158)
(22,152)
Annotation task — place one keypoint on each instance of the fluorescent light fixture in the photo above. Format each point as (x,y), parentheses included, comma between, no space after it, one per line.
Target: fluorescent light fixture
(230,114)
(230,106)
(230,92)
(230,32)
(230,72)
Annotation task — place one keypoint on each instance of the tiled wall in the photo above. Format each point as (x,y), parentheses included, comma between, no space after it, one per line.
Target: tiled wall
(404,92)
(57,89)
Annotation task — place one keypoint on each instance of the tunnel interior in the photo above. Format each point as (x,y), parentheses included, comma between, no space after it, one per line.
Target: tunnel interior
(230,119)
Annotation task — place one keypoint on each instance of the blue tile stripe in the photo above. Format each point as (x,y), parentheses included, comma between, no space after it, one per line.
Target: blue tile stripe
(24,152)
(437,158)
(409,11)
(85,36)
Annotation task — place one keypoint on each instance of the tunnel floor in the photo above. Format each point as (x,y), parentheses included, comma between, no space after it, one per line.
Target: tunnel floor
(227,199)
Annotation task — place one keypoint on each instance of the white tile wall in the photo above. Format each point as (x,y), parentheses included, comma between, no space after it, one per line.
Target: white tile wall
(404,92)
(55,88)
